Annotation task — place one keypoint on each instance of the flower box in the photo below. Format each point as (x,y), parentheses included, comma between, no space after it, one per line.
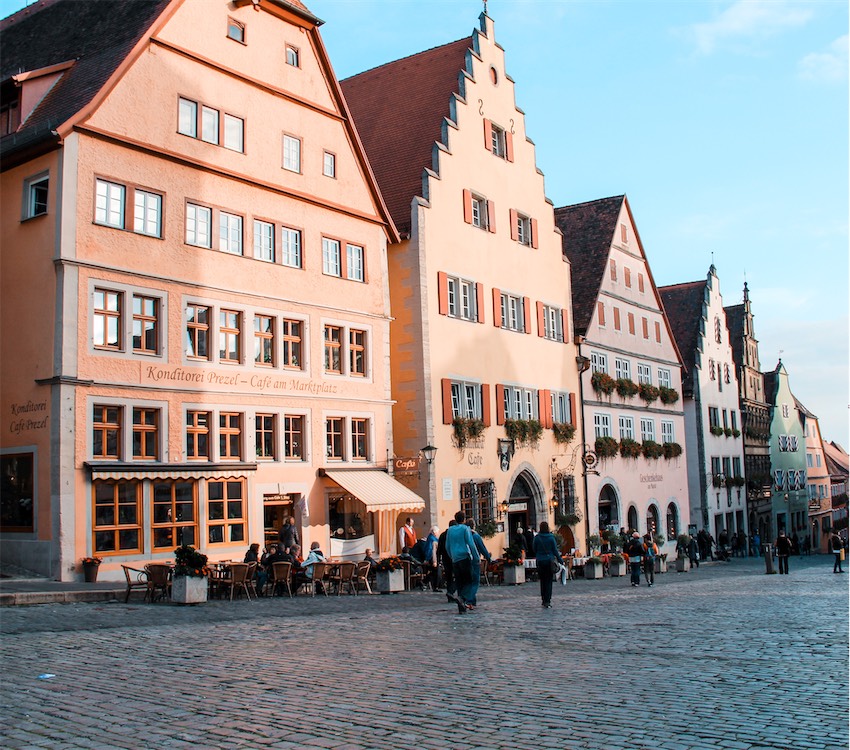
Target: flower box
(682,564)
(660,564)
(189,589)
(617,568)
(514,574)
(389,581)
(593,570)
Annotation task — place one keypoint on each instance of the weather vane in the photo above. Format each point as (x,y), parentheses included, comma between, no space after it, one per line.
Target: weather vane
(485,7)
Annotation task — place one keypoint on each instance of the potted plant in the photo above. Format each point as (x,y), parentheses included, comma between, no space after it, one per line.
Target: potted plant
(667,395)
(389,575)
(189,579)
(602,382)
(466,429)
(648,393)
(716,430)
(593,542)
(672,450)
(616,565)
(514,570)
(90,566)
(606,447)
(563,431)
(593,567)
(651,449)
(626,388)
(682,542)
(630,448)
(524,432)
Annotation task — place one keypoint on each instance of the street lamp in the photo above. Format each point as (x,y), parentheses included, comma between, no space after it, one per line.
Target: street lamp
(429,452)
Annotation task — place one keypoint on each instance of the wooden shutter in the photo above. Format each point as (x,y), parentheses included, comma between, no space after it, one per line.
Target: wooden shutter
(500,404)
(613,269)
(533,223)
(485,404)
(513,219)
(443,293)
(632,324)
(640,283)
(658,331)
(544,407)
(644,324)
(467,206)
(488,134)
(509,145)
(565,324)
(526,314)
(573,417)
(541,319)
(616,318)
(479,300)
(627,278)
(497,307)
(600,308)
(491,216)
(446,385)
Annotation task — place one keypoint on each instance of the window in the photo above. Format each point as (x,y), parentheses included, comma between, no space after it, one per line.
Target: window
(329,164)
(497,141)
(631,317)
(477,501)
(291,247)
(711,372)
(106,432)
(640,283)
(197,331)
(647,429)
(264,326)
(513,312)
(109,204)
(10,110)
(627,278)
(359,439)
(479,212)
(230,233)
(35,196)
(667,434)
(264,435)
(17,511)
(145,434)
(600,311)
(519,403)
(226,511)
(645,327)
(174,514)
(354,265)
(672,522)
(108,319)
(145,324)
(235,30)
(198,225)
(644,373)
(334,427)
(210,124)
(560,407)
(234,133)
(523,229)
(622,368)
(292,153)
(462,298)
(719,378)
(230,436)
(333,349)
(713,416)
(293,438)
(786,411)
(725,416)
(612,269)
(617,325)
(187,117)
(598,362)
(293,56)
(357,352)
(736,466)
(466,400)
(627,428)
(198,435)
(291,340)
(624,234)
(264,240)
(331,260)
(229,335)
(553,323)
(147,213)
(664,377)
(602,425)
(733,419)
(117,516)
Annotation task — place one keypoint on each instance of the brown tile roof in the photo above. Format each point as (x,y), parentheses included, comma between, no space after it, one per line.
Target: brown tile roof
(588,231)
(683,305)
(97,34)
(398,109)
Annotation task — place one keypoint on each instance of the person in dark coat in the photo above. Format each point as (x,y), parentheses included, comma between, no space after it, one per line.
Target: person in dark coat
(289,534)
(548,557)
(529,542)
(783,550)
(635,550)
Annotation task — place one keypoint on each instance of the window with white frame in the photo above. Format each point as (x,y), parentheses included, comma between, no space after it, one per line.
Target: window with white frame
(736,466)
(198,120)
(329,164)
(198,225)
(519,403)
(466,400)
(602,425)
(598,362)
(354,263)
(713,416)
(229,233)
(644,373)
(553,323)
(107,313)
(622,368)
(498,141)
(292,153)
(235,30)
(293,56)
(146,324)
(513,316)
(560,407)
(209,124)
(264,340)
(147,213)
(331,259)
(35,196)
(264,240)
(234,133)
(647,429)
(479,212)
(627,428)
(109,204)
(667,434)
(462,298)
(523,229)
(664,377)
(187,117)
(290,247)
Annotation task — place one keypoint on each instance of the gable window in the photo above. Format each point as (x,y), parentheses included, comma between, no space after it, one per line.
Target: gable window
(235,30)
(291,340)
(479,211)
(331,260)
(197,331)
(145,324)
(264,240)
(198,225)
(598,362)
(35,196)
(329,164)
(292,153)
(631,317)
(600,312)
(109,204)
(640,283)
(229,233)
(293,56)
(523,228)
(616,318)
(645,327)
(200,121)
(290,252)
(627,278)
(108,319)
(230,336)
(458,297)
(354,262)
(612,267)
(497,140)
(624,234)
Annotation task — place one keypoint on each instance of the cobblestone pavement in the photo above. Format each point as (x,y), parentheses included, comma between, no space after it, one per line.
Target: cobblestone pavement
(720,658)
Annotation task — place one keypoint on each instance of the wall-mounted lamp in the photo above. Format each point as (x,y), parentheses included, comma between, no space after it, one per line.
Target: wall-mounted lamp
(503,508)
(429,452)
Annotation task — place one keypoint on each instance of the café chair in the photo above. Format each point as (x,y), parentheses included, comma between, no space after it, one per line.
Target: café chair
(235,578)
(159,581)
(361,575)
(136,579)
(281,572)
(320,578)
(344,575)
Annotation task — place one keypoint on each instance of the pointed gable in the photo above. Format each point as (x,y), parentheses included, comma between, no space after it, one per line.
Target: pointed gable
(735,324)
(398,109)
(588,231)
(683,306)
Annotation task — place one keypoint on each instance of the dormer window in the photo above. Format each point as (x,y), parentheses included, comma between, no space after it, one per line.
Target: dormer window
(10,109)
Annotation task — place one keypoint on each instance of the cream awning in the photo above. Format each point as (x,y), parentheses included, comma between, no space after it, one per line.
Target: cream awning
(377,490)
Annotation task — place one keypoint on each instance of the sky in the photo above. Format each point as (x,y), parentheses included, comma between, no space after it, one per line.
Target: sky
(725,123)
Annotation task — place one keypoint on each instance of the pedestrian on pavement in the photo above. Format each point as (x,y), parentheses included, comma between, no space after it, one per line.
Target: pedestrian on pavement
(783,549)
(837,548)
(635,550)
(757,544)
(548,558)
(460,547)
(693,552)
(407,535)
(446,562)
(529,542)
(432,564)
(288,534)
(519,541)
(649,561)
(483,552)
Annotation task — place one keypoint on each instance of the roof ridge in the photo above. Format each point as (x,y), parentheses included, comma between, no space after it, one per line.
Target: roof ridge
(682,284)
(596,200)
(407,57)
(25,12)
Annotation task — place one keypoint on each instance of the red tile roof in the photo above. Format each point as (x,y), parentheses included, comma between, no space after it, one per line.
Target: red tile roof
(398,109)
(683,305)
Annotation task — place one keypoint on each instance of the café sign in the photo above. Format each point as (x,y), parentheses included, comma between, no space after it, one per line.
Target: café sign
(406,465)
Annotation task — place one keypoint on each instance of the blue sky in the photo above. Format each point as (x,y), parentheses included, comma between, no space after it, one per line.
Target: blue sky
(725,123)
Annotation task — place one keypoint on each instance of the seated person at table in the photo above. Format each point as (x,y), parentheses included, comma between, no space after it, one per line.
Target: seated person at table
(253,556)
(373,563)
(316,555)
(416,565)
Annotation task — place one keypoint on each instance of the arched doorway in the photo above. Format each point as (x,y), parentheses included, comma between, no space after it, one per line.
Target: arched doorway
(522,513)
(609,511)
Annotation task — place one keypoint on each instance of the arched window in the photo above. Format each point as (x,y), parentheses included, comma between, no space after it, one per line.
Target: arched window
(652,520)
(672,521)
(633,518)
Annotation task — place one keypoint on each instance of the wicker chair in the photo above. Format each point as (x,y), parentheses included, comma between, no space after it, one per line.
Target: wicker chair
(159,581)
(136,579)
(319,578)
(236,578)
(361,575)
(281,572)
(344,575)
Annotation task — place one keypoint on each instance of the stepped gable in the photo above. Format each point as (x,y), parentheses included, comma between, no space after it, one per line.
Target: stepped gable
(398,109)
(683,305)
(588,231)
(97,35)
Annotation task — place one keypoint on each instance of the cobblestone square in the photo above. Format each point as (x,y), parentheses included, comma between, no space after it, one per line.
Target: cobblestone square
(722,657)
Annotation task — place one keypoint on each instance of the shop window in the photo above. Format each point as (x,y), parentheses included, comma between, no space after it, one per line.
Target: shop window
(226,511)
(346,518)
(174,514)
(17,473)
(117,516)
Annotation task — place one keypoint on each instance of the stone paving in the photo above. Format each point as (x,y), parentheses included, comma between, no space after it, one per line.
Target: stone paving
(725,657)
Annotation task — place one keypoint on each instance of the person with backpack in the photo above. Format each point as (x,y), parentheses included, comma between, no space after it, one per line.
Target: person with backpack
(636,552)
(649,560)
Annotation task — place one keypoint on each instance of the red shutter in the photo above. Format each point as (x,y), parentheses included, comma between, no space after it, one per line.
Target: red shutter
(491,216)
(616,318)
(600,307)
(443,292)
(544,407)
(497,307)
(541,320)
(509,146)
(631,324)
(500,404)
(658,332)
(573,416)
(488,134)
(513,220)
(613,268)
(565,321)
(644,323)
(479,298)
(534,242)
(627,277)
(467,206)
(485,404)
(447,400)
(526,314)
(640,282)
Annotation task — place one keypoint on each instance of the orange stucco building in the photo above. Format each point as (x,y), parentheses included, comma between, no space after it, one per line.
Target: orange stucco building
(194,299)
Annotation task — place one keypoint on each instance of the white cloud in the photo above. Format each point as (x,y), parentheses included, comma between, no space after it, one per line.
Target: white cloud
(748,20)
(826,66)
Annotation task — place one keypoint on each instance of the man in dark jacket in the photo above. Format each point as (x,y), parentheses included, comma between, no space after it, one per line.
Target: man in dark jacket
(783,549)
(289,534)
(634,549)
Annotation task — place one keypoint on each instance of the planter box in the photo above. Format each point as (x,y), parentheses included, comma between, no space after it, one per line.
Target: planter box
(90,572)
(682,565)
(189,589)
(617,569)
(660,564)
(514,574)
(593,570)
(389,581)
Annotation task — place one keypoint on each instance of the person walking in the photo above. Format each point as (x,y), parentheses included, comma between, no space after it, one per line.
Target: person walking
(783,550)
(837,548)
(446,561)
(460,547)
(548,558)
(649,560)
(693,552)
(634,549)
(481,552)
(288,534)
(432,564)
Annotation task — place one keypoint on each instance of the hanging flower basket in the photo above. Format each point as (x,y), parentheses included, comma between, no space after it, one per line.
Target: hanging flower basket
(626,388)
(667,395)
(606,447)
(630,448)
(602,382)
(651,449)
(563,432)
(672,450)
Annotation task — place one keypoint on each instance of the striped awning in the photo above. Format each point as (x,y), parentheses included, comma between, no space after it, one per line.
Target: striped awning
(200,470)
(377,490)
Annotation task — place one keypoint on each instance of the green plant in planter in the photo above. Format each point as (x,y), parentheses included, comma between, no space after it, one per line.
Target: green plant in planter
(727,431)
(606,447)
(189,562)
(563,432)
(566,519)
(626,388)
(512,555)
(524,431)
(602,382)
(630,448)
(668,395)
(616,558)
(716,430)
(672,450)
(466,429)
(648,393)
(651,449)
(488,529)
(682,542)
(736,432)
(594,541)
(659,539)
(737,481)
(594,560)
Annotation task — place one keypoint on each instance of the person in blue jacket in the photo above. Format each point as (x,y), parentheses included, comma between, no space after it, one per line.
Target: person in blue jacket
(460,547)
(548,558)
(482,551)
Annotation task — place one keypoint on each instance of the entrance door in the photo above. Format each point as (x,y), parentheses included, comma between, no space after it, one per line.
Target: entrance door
(516,520)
